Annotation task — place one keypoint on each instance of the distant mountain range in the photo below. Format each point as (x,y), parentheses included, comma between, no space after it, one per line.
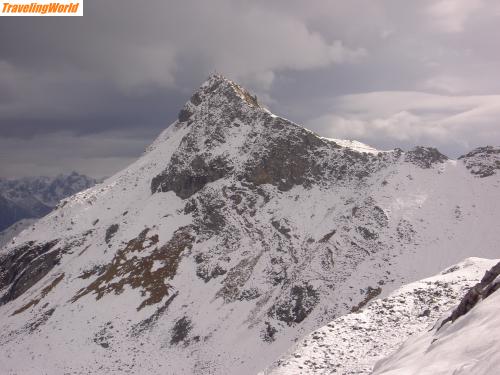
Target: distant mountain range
(34,197)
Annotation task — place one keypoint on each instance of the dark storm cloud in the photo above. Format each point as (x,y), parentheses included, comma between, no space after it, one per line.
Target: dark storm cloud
(68,83)
(146,115)
(98,155)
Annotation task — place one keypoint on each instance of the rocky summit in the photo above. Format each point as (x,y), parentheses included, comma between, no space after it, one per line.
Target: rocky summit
(236,233)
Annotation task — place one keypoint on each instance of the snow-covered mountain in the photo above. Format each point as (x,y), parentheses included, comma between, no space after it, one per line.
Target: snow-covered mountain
(34,197)
(235,234)
(353,343)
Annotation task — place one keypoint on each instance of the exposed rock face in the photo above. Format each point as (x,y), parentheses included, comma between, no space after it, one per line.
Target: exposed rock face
(25,266)
(425,157)
(298,305)
(186,182)
(487,286)
(136,271)
(270,150)
(482,161)
(180,331)
(110,232)
(289,163)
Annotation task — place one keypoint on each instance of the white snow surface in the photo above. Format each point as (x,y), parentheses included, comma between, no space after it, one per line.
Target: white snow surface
(355,145)
(9,233)
(353,343)
(263,265)
(470,345)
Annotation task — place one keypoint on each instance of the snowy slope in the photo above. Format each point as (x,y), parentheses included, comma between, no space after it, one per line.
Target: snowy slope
(468,345)
(8,234)
(355,145)
(353,343)
(235,234)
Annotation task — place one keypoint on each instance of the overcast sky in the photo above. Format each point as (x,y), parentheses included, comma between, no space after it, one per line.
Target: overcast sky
(90,93)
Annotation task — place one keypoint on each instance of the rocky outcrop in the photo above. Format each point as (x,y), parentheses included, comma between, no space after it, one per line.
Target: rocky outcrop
(23,267)
(288,162)
(187,181)
(110,232)
(265,149)
(149,272)
(425,157)
(482,161)
(298,305)
(487,286)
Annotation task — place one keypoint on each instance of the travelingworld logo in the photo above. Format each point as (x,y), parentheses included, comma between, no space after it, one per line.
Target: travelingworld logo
(41,8)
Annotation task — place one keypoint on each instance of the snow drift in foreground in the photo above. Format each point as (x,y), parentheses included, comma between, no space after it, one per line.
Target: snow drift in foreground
(353,343)
(469,345)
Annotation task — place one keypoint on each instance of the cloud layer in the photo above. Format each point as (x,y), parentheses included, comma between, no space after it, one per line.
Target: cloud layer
(403,119)
(394,74)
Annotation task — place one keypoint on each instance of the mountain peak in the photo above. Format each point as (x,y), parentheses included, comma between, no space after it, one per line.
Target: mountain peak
(216,80)
(216,91)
